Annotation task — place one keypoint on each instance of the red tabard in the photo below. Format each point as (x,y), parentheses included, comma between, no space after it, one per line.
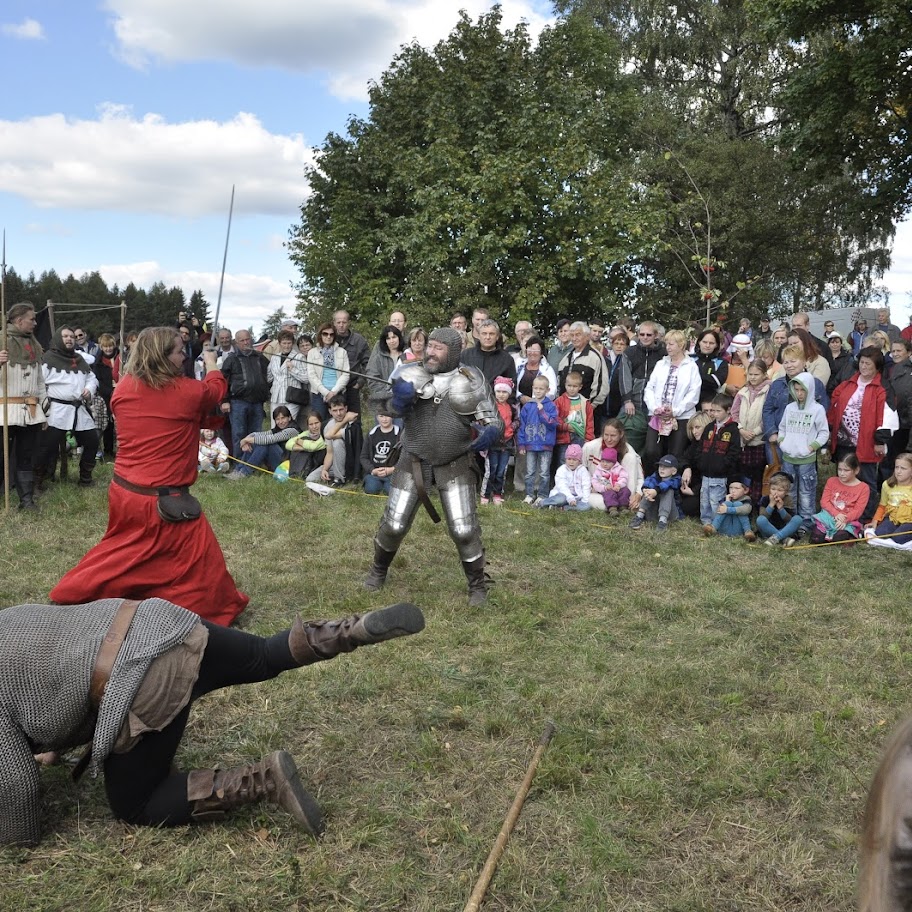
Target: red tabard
(141,555)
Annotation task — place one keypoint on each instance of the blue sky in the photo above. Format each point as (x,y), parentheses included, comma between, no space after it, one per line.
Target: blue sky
(126,122)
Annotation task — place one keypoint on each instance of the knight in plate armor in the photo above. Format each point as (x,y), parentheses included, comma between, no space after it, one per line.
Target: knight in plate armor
(440,402)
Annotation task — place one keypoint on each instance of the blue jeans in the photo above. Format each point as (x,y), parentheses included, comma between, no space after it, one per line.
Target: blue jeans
(712,493)
(246,418)
(804,490)
(538,465)
(560,500)
(768,530)
(375,485)
(269,455)
(731,524)
(497,472)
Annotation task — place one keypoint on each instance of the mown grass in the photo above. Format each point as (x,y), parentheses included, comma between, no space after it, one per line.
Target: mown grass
(720,708)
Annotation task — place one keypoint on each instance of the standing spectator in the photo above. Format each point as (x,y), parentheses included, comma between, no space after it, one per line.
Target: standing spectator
(884,325)
(531,366)
(862,421)
(84,343)
(246,371)
(671,397)
(589,363)
(397,319)
(898,381)
(562,345)
(858,337)
(764,331)
(744,328)
(459,323)
(385,358)
(191,348)
(747,411)
(488,354)
(803,321)
(522,331)
(159,413)
(618,373)
(843,362)
(107,369)
(358,352)
(25,395)
(907,331)
(535,440)
(802,432)
(225,344)
(417,340)
(273,347)
(574,413)
(713,367)
(287,370)
(479,315)
(642,357)
(817,366)
(327,370)
(70,386)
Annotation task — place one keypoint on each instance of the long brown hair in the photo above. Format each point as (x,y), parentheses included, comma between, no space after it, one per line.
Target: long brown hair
(149,360)
(622,445)
(884,883)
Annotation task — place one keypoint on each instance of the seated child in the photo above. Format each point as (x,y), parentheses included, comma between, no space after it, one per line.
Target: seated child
(609,479)
(571,483)
(266,447)
(498,457)
(659,496)
(380,454)
(334,435)
(803,430)
(307,451)
(537,433)
(842,504)
(715,455)
(574,415)
(733,514)
(777,521)
(894,514)
(213,454)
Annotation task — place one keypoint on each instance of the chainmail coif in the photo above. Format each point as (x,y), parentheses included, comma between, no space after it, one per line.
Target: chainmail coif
(47,653)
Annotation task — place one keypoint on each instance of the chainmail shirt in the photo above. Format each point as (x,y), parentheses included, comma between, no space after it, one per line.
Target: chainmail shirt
(47,653)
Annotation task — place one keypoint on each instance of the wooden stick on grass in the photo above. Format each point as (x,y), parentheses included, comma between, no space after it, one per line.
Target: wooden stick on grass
(487,872)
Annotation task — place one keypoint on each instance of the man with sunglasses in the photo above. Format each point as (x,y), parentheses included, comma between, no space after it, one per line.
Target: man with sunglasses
(84,343)
(643,358)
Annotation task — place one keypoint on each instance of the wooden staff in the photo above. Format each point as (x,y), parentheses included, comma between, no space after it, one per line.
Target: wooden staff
(123,317)
(3,346)
(487,872)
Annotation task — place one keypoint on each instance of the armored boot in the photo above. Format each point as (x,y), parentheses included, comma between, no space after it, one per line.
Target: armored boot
(316,641)
(275,779)
(376,577)
(478,580)
(25,485)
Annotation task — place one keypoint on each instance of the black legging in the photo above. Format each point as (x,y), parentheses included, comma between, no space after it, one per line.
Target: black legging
(140,785)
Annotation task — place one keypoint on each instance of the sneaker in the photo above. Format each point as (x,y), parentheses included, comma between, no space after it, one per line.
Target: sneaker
(772,541)
(662,525)
(789,542)
(498,500)
(529,499)
(637,521)
(223,468)
(485,501)
(537,502)
(709,530)
(236,475)
(750,536)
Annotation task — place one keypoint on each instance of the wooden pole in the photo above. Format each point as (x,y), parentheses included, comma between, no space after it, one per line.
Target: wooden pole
(123,317)
(3,346)
(218,303)
(487,872)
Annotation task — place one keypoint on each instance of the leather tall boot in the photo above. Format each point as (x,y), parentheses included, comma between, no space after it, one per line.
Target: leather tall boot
(316,641)
(376,576)
(25,485)
(274,779)
(478,580)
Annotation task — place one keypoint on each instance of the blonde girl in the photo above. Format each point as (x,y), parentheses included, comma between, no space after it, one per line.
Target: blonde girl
(747,411)
(895,511)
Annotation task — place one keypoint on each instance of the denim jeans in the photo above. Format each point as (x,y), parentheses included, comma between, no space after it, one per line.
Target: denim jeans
(768,530)
(804,490)
(731,524)
(712,493)
(375,485)
(269,455)
(538,465)
(246,418)
(663,507)
(496,472)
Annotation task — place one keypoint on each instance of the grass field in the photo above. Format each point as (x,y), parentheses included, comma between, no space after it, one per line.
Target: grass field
(720,708)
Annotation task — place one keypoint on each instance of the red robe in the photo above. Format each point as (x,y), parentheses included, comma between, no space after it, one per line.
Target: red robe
(142,555)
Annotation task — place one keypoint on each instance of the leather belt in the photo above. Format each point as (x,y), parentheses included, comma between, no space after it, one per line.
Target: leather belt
(104,665)
(418,475)
(149,492)
(20,400)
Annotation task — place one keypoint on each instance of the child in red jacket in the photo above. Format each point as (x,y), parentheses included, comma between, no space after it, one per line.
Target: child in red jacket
(574,416)
(498,457)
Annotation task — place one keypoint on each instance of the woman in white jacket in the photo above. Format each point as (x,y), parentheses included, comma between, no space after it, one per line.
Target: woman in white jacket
(327,370)
(671,398)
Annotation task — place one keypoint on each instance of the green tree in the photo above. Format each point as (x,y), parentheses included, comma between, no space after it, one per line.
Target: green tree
(273,323)
(489,172)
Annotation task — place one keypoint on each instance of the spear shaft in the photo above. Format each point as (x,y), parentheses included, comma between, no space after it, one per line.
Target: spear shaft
(3,346)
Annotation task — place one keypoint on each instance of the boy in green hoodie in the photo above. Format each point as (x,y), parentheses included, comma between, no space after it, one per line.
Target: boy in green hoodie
(803,430)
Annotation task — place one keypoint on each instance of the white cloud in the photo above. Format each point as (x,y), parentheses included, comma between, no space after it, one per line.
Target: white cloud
(899,278)
(28,30)
(119,162)
(247,299)
(352,41)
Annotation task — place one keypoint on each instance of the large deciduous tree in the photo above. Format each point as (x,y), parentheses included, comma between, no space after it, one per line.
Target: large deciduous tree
(489,172)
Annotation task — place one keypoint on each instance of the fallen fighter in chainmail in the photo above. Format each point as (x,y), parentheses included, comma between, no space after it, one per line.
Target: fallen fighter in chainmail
(121,676)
